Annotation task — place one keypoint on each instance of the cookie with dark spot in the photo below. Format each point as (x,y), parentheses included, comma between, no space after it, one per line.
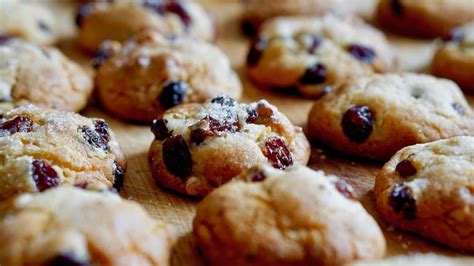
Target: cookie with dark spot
(373,117)
(427,189)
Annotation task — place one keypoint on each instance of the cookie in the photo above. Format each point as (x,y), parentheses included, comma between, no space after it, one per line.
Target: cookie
(153,73)
(424,18)
(455,58)
(30,21)
(45,148)
(310,55)
(419,259)
(425,189)
(71,226)
(32,74)
(199,147)
(293,217)
(373,117)
(100,21)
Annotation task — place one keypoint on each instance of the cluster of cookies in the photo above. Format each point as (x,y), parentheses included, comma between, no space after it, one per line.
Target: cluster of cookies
(261,204)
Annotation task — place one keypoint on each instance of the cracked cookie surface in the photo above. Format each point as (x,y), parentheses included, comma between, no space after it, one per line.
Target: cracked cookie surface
(71,226)
(292,217)
(373,117)
(199,147)
(427,189)
(44,148)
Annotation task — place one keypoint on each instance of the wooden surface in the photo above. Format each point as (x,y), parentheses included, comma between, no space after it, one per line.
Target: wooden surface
(415,55)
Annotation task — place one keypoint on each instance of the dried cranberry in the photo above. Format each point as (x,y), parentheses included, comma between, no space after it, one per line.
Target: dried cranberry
(198,135)
(278,153)
(258,177)
(103,129)
(106,50)
(315,74)
(405,168)
(345,189)
(361,53)
(4,39)
(66,260)
(454,35)
(172,6)
(173,94)
(119,175)
(159,129)
(44,175)
(224,101)
(217,126)
(397,7)
(401,199)
(257,48)
(22,124)
(83,11)
(99,137)
(458,108)
(357,123)
(177,157)
(214,128)
(262,114)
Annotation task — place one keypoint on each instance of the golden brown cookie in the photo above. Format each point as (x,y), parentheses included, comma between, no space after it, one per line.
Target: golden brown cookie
(71,226)
(427,189)
(153,73)
(199,147)
(292,217)
(44,148)
(310,54)
(373,117)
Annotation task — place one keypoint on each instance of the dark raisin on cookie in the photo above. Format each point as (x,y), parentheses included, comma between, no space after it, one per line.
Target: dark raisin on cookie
(248,28)
(224,101)
(315,74)
(4,39)
(401,199)
(19,124)
(177,157)
(397,7)
(44,175)
(258,177)
(405,168)
(262,114)
(362,53)
(198,135)
(357,123)
(159,129)
(66,260)
(210,127)
(345,189)
(173,94)
(278,153)
(97,137)
(458,108)
(102,128)
(257,48)
(83,11)
(119,175)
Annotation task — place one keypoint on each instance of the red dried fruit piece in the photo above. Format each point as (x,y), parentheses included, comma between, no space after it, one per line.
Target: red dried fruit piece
(315,74)
(258,177)
(278,153)
(357,123)
(397,7)
(198,135)
(18,124)
(405,168)
(262,114)
(159,129)
(102,128)
(119,175)
(401,199)
(257,48)
(212,127)
(44,175)
(345,189)
(99,137)
(362,53)
(177,157)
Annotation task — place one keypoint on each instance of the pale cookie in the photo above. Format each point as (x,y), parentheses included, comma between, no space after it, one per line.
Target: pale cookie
(199,147)
(373,117)
(427,189)
(293,217)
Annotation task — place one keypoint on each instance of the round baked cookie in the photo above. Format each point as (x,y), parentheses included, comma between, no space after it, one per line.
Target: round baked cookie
(152,73)
(30,21)
(424,18)
(100,21)
(310,54)
(71,226)
(426,189)
(199,147)
(31,74)
(45,148)
(455,58)
(293,217)
(373,117)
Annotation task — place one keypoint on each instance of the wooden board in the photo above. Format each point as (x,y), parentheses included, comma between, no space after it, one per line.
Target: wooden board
(415,55)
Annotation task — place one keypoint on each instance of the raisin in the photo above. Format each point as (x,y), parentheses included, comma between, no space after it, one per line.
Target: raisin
(357,123)
(397,7)
(159,129)
(4,39)
(214,128)
(458,108)
(102,128)
(262,114)
(66,260)
(83,11)
(224,101)
(218,126)
(345,189)
(361,53)
(177,157)
(19,124)
(99,137)
(119,175)
(44,175)
(248,28)
(401,199)
(258,177)
(256,51)
(405,168)
(315,74)
(198,135)
(278,153)
(173,94)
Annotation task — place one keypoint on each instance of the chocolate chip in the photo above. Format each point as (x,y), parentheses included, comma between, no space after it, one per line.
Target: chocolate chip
(19,124)
(405,168)
(173,94)
(401,199)
(397,7)
(119,175)
(4,39)
(224,101)
(458,108)
(177,157)
(278,153)
(66,260)
(257,48)
(83,11)
(43,26)
(99,137)
(357,123)
(44,175)
(159,129)
(315,74)
(361,53)
(345,189)
(258,177)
